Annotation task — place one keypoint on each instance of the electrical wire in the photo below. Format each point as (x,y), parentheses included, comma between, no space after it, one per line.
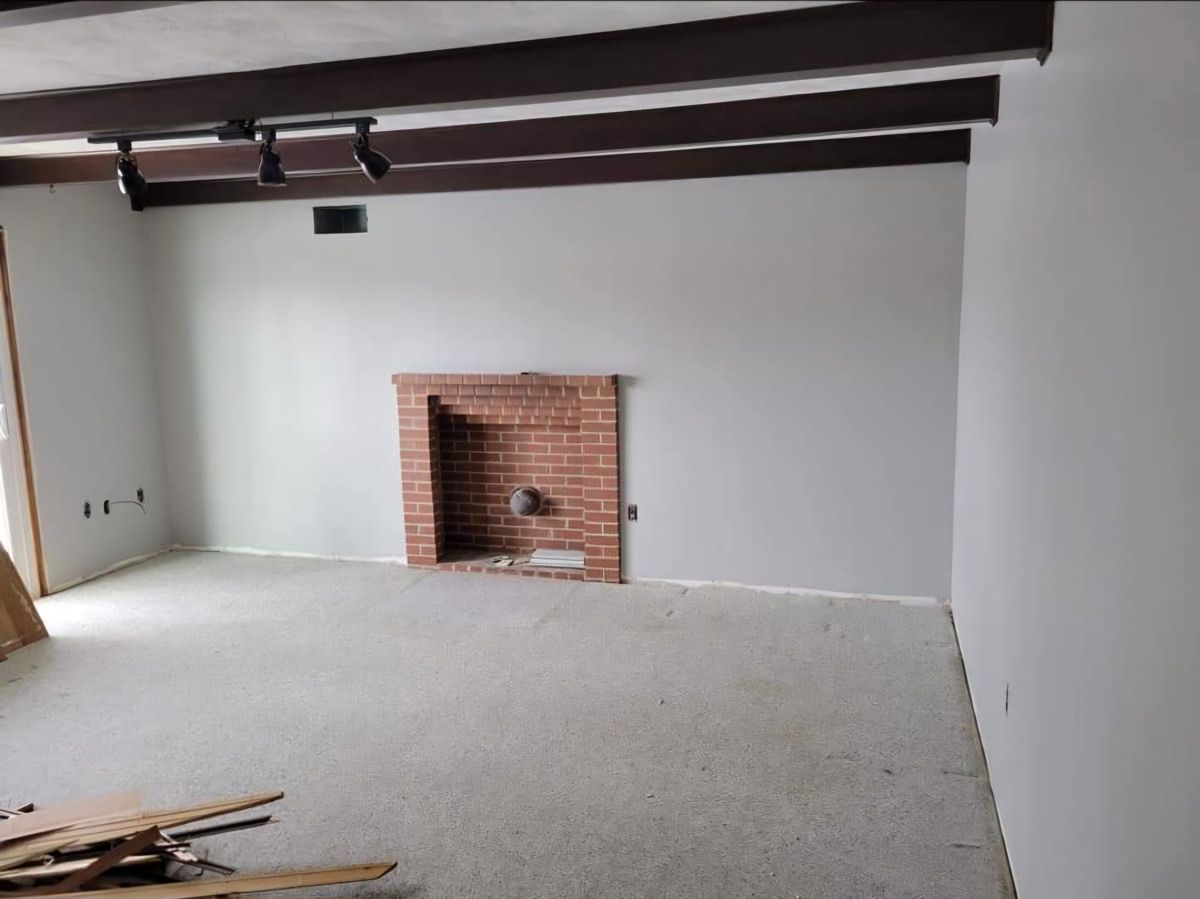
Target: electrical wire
(127,502)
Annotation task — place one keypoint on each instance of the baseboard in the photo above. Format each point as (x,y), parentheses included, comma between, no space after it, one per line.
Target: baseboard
(979,745)
(324,557)
(116,566)
(795,591)
(403,560)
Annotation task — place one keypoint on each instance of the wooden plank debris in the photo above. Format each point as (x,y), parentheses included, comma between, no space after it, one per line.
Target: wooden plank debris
(61,869)
(240,884)
(99,809)
(37,855)
(20,623)
(113,857)
(86,833)
(108,847)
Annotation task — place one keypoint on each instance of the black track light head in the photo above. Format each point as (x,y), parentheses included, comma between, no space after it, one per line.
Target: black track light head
(129,179)
(270,166)
(373,163)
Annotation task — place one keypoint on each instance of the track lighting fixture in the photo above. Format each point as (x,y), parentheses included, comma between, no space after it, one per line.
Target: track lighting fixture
(373,163)
(270,166)
(129,179)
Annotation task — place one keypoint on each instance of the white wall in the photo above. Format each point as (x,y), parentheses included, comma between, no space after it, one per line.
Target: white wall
(1078,485)
(77,264)
(788,344)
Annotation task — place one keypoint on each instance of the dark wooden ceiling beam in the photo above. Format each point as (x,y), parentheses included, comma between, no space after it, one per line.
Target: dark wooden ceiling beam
(9,6)
(36,12)
(956,102)
(658,165)
(16,5)
(841,38)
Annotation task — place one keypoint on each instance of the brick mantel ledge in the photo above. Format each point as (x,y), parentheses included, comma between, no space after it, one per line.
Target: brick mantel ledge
(433,381)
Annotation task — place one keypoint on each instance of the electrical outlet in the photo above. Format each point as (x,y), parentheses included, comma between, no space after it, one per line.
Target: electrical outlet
(106,508)
(87,509)
(631,512)
(141,495)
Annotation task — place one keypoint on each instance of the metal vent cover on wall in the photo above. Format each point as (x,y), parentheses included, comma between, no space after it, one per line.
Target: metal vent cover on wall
(339,219)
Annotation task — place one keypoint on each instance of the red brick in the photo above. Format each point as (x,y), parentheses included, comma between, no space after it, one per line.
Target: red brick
(494,431)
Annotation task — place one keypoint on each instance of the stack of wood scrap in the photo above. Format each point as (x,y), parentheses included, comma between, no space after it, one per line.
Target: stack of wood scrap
(112,846)
(557,558)
(20,624)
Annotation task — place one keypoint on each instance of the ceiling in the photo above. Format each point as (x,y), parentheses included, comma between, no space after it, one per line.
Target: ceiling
(87,43)
(79,47)
(848,85)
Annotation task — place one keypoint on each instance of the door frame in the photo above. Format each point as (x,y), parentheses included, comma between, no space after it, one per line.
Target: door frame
(26,530)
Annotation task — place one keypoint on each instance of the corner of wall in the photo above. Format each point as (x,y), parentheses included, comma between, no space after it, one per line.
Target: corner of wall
(81,304)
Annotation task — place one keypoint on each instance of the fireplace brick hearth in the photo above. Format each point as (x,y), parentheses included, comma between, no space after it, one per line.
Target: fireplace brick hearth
(466,440)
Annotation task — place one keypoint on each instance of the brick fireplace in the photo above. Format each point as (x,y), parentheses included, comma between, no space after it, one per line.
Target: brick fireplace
(467,440)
